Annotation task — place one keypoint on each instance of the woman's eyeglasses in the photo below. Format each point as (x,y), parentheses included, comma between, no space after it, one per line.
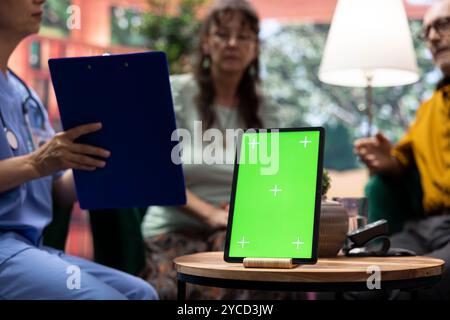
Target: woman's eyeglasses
(440,25)
(225,37)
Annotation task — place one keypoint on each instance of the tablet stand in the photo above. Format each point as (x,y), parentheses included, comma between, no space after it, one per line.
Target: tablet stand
(276,263)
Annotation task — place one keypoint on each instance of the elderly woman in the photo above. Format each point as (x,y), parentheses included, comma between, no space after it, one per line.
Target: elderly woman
(31,173)
(223,93)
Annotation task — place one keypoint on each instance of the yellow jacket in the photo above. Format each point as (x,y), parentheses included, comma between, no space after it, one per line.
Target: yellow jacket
(427,144)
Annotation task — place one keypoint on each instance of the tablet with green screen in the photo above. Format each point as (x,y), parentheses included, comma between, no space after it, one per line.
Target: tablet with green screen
(276,194)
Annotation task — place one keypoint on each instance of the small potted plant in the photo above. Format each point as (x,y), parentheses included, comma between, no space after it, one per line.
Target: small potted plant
(326,184)
(333,223)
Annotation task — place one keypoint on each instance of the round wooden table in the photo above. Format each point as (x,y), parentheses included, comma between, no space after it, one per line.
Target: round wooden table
(338,274)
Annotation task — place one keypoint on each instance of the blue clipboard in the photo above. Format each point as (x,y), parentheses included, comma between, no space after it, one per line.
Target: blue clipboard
(131,96)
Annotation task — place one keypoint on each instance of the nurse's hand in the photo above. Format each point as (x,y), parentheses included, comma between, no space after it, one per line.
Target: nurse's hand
(61,152)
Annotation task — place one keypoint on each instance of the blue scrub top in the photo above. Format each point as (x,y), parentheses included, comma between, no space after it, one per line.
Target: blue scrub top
(26,209)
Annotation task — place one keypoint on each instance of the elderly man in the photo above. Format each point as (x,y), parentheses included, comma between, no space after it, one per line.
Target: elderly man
(426,146)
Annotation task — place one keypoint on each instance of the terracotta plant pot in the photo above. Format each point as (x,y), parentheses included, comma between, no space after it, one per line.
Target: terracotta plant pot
(333,228)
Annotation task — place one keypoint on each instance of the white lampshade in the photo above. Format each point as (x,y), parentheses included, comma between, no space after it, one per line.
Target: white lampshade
(369,38)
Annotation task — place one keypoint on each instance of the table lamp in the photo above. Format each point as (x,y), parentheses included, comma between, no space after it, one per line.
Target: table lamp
(369,45)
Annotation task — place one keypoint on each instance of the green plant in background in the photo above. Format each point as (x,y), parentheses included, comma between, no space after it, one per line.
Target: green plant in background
(125,27)
(173,31)
(326,183)
(55,17)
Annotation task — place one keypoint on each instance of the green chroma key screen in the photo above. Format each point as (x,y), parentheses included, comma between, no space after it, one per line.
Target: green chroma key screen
(275,202)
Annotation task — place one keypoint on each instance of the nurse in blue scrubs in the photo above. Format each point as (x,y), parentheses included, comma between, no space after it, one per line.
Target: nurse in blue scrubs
(35,165)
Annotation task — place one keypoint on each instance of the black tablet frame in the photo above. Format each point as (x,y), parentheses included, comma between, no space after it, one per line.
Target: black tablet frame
(318,199)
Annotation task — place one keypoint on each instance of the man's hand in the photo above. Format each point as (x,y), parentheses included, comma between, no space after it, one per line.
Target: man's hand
(375,152)
(62,153)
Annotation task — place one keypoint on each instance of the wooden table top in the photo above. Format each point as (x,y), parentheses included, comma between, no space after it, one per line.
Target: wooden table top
(332,270)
